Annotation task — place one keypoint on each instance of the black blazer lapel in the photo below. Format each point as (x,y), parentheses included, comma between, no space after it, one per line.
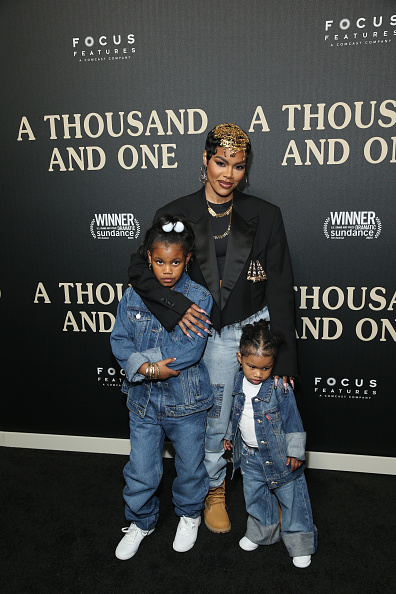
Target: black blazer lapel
(239,247)
(206,255)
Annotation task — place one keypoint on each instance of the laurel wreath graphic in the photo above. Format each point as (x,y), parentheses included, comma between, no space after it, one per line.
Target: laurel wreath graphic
(325,227)
(137,228)
(379,227)
(91,228)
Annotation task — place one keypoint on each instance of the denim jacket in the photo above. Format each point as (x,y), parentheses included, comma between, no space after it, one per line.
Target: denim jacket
(278,426)
(138,337)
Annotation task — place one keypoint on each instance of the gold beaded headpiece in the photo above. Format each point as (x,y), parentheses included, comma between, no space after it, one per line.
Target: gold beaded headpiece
(232,138)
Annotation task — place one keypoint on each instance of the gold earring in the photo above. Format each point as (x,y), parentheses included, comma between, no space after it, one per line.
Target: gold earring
(203,178)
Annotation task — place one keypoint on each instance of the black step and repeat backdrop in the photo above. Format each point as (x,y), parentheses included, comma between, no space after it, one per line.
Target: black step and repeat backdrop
(105,109)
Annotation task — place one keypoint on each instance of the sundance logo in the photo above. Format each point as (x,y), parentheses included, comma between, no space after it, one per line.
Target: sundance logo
(105,226)
(343,224)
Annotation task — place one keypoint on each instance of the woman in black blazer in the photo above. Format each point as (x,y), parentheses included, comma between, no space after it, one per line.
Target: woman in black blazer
(242,257)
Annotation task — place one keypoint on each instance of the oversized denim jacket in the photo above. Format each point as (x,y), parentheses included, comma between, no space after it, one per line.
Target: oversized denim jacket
(279,430)
(138,337)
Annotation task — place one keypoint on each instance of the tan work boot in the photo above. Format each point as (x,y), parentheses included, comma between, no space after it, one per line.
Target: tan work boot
(215,513)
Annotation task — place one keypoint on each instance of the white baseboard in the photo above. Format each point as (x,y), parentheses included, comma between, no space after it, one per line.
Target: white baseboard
(111,445)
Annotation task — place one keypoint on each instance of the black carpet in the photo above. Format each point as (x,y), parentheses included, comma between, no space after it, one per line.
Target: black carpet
(61,515)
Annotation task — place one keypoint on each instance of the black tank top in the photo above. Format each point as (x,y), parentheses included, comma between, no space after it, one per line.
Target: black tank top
(219,226)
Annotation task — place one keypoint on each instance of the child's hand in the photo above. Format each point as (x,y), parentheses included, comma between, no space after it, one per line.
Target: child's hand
(227,445)
(165,372)
(293,463)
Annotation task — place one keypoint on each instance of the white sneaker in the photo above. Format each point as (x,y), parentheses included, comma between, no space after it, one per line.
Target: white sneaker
(247,545)
(302,562)
(129,544)
(186,534)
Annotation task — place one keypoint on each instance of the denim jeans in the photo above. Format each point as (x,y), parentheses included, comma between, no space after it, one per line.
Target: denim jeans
(143,472)
(222,364)
(263,526)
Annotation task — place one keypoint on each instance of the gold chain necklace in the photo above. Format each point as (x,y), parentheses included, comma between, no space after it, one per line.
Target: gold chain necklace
(220,214)
(227,231)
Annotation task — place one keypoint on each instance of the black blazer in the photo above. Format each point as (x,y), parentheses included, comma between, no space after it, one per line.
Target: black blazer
(257,233)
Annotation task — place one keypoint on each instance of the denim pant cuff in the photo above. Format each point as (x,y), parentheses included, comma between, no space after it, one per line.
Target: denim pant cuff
(142,523)
(300,543)
(262,535)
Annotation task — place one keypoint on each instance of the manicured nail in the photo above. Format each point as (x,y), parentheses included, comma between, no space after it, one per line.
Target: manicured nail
(206,314)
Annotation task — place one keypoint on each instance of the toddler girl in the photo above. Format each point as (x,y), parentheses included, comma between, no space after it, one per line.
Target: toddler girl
(268,438)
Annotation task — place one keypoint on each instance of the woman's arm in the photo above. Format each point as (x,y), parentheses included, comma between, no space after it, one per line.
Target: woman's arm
(185,351)
(169,307)
(279,295)
(166,305)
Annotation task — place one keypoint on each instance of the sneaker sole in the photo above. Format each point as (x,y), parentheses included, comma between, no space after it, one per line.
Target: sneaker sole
(249,548)
(183,550)
(302,566)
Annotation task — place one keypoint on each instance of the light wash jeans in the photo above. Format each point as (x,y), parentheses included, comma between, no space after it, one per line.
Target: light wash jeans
(143,472)
(222,364)
(298,531)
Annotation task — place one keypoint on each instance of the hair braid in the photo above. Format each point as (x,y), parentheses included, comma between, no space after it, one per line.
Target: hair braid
(258,339)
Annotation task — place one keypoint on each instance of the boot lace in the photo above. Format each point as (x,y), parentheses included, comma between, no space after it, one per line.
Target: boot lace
(216,495)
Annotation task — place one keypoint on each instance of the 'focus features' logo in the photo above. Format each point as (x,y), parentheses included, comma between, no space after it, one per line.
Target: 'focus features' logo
(110,377)
(103,48)
(360,30)
(345,388)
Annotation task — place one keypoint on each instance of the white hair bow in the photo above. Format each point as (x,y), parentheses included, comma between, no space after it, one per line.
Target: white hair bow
(178,227)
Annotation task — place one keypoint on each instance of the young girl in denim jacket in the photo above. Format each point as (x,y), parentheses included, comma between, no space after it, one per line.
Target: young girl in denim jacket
(268,438)
(168,391)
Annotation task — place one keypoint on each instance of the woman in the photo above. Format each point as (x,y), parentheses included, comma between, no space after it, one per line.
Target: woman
(242,257)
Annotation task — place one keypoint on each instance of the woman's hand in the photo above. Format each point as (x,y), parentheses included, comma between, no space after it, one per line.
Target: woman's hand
(191,321)
(284,380)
